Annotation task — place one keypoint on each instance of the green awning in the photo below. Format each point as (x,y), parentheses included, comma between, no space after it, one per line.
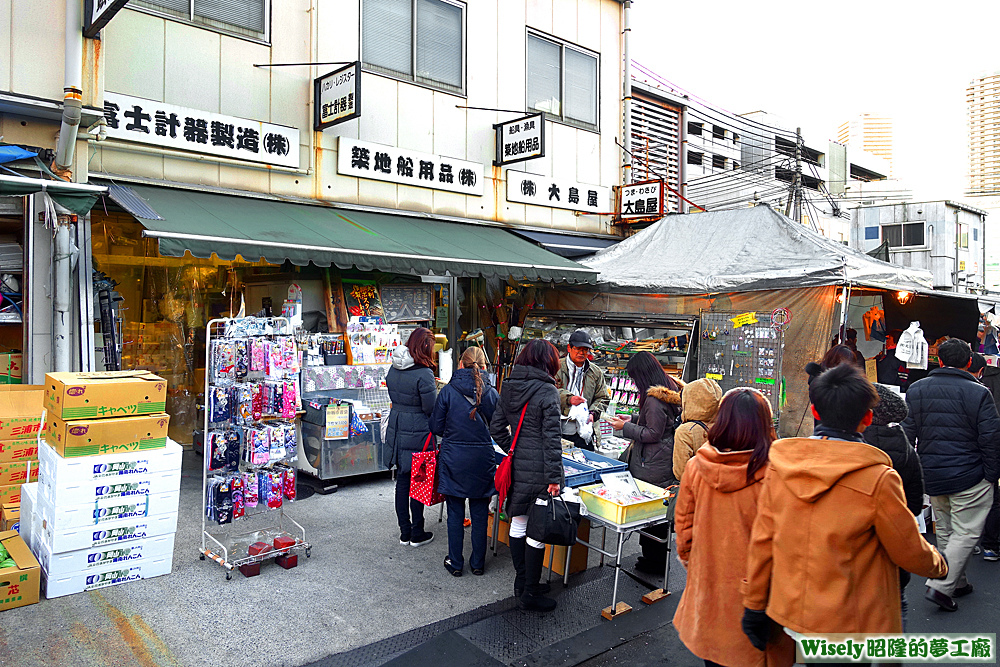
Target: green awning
(227,225)
(76,197)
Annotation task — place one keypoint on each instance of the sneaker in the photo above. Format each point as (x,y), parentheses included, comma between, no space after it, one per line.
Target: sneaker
(976,550)
(419,542)
(455,571)
(405,541)
(991,555)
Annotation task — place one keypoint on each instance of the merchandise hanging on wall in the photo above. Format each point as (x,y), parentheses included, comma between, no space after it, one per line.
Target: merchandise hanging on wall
(250,463)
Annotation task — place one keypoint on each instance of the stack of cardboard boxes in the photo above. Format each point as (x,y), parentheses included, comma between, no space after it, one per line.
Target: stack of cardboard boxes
(104,511)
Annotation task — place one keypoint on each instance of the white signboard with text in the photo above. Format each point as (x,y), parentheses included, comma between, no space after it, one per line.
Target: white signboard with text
(170,126)
(338,96)
(641,200)
(98,13)
(525,188)
(406,167)
(521,139)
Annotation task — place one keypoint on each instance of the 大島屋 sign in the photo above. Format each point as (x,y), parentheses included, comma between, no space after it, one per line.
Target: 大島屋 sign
(97,14)
(170,126)
(521,139)
(406,167)
(641,200)
(525,188)
(337,96)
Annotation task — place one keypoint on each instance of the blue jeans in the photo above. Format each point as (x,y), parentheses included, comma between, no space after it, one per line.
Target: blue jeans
(407,507)
(479,509)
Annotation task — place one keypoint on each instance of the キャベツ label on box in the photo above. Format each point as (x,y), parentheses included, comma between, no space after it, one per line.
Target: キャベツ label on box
(91,437)
(72,396)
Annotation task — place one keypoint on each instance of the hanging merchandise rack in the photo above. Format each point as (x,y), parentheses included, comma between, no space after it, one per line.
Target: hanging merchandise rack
(250,461)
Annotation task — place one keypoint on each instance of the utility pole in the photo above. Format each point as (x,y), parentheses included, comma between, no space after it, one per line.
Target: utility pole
(793,209)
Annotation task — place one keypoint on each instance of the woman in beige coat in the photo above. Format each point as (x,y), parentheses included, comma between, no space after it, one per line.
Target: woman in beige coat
(716,507)
(699,405)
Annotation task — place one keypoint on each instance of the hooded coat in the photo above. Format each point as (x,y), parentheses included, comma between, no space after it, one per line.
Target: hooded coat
(537,457)
(832,527)
(412,392)
(650,457)
(716,506)
(886,433)
(699,406)
(466,464)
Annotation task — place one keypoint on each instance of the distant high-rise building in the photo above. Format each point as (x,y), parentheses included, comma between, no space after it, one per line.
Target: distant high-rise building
(871,133)
(983,98)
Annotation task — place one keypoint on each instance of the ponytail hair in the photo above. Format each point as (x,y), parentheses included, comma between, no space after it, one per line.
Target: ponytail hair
(475,359)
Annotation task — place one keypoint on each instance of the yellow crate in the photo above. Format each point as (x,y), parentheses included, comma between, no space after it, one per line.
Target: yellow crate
(623,514)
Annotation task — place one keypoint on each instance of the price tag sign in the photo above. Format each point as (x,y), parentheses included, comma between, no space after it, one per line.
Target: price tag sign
(743,319)
(338,421)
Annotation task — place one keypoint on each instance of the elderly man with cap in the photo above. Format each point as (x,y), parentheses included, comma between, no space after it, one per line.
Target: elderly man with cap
(578,381)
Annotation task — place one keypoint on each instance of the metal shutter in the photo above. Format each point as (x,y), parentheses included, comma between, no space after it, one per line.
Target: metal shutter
(656,141)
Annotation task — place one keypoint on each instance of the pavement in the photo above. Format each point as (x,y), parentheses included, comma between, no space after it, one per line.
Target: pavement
(364,600)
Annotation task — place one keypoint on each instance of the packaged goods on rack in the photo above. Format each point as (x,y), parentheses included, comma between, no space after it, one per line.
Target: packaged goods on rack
(369,341)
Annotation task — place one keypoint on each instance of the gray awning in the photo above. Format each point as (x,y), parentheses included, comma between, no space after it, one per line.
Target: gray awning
(567,245)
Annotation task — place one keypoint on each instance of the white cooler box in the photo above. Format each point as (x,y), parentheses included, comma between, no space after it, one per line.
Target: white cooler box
(102,577)
(29,495)
(106,534)
(89,491)
(126,554)
(106,468)
(104,510)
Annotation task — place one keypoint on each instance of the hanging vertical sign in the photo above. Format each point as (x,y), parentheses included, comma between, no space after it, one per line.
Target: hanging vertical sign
(98,13)
(337,96)
(520,140)
(642,200)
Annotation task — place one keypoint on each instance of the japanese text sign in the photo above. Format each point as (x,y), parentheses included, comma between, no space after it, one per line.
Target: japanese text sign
(337,96)
(641,200)
(520,140)
(170,126)
(98,13)
(526,188)
(743,320)
(406,167)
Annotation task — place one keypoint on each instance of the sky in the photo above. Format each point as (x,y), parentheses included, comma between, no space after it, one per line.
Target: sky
(818,64)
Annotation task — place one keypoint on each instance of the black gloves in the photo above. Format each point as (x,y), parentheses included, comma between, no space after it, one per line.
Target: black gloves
(757,628)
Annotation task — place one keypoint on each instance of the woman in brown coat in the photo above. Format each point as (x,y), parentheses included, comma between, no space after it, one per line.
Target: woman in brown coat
(715,512)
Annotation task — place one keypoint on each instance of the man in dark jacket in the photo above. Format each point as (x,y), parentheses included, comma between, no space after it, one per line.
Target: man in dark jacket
(955,424)
(991,533)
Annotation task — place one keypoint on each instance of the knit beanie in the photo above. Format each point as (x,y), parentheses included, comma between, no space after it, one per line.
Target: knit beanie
(891,408)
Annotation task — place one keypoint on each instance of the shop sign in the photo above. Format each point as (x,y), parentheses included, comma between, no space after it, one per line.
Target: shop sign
(525,188)
(170,126)
(520,140)
(98,13)
(406,167)
(641,200)
(744,319)
(337,96)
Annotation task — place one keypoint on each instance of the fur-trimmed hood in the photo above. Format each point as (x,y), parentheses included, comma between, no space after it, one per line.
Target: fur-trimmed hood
(664,394)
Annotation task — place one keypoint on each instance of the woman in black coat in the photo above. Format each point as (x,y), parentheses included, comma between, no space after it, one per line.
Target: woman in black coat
(466,464)
(412,391)
(536,467)
(651,454)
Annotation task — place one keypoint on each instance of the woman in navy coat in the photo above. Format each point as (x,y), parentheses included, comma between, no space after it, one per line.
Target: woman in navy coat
(466,463)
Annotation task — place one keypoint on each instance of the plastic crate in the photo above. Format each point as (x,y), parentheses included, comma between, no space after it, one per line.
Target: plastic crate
(595,471)
(575,473)
(624,514)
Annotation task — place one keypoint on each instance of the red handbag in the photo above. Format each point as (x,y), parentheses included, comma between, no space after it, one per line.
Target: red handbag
(423,475)
(501,480)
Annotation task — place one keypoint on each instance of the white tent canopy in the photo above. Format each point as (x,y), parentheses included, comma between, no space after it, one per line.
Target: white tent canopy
(741,250)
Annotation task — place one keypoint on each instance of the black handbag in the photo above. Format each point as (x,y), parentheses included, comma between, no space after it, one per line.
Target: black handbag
(554,522)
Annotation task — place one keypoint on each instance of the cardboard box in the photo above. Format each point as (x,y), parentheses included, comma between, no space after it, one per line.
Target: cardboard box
(504,529)
(18,450)
(21,408)
(91,560)
(104,510)
(18,472)
(18,584)
(115,532)
(90,437)
(109,575)
(10,517)
(107,468)
(10,368)
(103,395)
(10,493)
(129,489)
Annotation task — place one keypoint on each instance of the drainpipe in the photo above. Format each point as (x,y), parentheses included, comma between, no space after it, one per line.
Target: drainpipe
(627,95)
(72,89)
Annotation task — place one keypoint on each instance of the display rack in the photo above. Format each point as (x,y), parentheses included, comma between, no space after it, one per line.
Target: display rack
(742,349)
(252,396)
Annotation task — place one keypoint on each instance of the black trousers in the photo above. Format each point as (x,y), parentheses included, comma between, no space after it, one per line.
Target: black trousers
(991,533)
(409,512)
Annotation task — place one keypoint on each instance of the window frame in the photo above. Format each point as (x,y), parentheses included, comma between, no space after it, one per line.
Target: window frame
(412,78)
(902,235)
(193,21)
(561,117)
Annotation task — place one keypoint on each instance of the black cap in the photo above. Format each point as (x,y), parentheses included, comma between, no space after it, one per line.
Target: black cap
(580,338)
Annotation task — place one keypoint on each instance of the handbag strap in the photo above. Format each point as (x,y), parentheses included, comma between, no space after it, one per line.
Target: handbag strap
(518,432)
(427,442)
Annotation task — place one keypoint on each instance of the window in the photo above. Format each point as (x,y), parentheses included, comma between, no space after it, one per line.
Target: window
(963,236)
(718,132)
(907,235)
(417,40)
(694,129)
(695,158)
(561,80)
(248,18)
(975,233)
(718,161)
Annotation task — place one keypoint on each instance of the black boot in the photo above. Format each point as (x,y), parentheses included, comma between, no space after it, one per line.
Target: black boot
(533,598)
(517,547)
